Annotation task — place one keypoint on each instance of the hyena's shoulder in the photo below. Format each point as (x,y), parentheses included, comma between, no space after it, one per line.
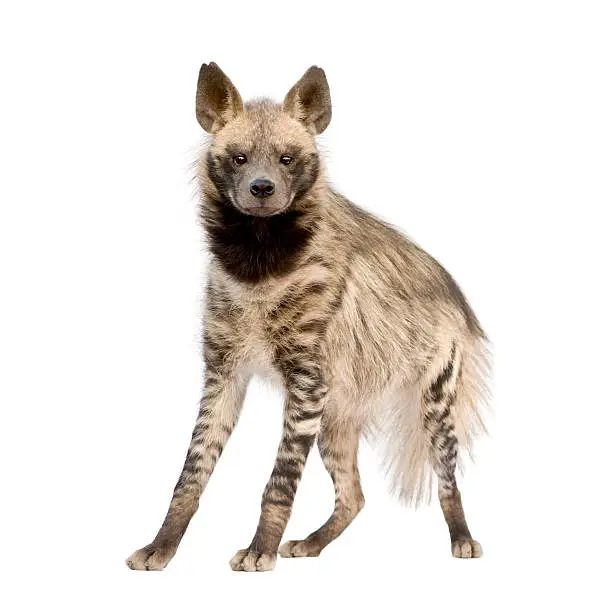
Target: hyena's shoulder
(257,324)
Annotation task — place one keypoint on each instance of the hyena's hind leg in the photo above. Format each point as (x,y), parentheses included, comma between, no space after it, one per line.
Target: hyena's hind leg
(440,426)
(338,445)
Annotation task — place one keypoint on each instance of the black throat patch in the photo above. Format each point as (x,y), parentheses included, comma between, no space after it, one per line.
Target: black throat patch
(254,248)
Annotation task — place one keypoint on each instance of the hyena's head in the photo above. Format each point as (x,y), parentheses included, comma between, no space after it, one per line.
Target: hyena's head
(262,158)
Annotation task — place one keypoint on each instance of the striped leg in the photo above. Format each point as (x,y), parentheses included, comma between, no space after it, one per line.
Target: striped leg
(338,446)
(219,410)
(440,427)
(302,417)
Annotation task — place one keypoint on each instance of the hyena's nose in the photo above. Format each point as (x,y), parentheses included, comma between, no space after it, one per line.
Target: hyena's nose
(261,188)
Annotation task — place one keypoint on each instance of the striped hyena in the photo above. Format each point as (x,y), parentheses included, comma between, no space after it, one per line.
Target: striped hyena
(366,333)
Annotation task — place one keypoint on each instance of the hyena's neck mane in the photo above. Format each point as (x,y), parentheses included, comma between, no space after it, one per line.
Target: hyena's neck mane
(252,249)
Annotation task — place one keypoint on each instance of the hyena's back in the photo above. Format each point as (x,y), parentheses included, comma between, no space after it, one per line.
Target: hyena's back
(403,336)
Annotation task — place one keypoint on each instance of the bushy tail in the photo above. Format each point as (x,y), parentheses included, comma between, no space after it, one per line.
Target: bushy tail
(404,438)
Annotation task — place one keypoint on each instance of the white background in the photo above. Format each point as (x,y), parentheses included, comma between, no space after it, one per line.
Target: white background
(482,129)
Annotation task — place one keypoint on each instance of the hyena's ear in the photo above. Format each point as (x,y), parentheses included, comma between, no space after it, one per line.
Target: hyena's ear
(217,100)
(309,100)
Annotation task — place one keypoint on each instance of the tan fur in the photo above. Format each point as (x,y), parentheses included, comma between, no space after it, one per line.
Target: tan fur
(366,333)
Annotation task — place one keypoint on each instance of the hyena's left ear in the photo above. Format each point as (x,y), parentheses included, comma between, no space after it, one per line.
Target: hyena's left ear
(309,100)
(217,100)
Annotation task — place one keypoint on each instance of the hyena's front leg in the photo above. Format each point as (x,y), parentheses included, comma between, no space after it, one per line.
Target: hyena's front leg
(304,402)
(219,410)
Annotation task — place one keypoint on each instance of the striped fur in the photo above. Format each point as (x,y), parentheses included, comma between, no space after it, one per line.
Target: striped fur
(367,334)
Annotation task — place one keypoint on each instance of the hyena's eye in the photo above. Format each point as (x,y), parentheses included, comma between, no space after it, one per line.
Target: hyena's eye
(286,159)
(240,159)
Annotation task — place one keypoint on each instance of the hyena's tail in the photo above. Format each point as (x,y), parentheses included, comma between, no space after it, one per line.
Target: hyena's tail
(444,413)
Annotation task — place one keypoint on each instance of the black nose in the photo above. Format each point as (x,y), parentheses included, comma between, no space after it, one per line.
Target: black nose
(261,188)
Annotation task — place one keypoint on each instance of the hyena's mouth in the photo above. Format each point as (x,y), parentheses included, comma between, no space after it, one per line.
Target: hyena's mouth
(263,209)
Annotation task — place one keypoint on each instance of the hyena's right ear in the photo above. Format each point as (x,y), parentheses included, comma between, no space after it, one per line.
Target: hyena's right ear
(217,100)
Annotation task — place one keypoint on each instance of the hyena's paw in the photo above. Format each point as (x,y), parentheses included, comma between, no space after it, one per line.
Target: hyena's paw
(251,561)
(466,548)
(150,558)
(299,548)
